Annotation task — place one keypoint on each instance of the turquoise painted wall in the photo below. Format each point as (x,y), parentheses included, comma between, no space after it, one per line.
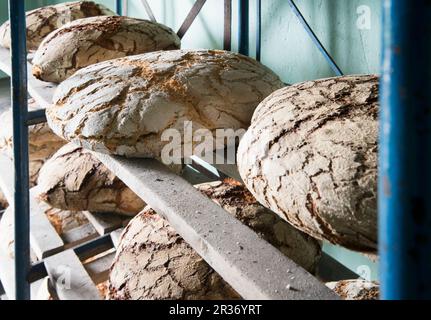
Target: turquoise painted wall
(341,25)
(286,47)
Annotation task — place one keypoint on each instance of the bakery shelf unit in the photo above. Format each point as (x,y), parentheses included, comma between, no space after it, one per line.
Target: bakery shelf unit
(258,271)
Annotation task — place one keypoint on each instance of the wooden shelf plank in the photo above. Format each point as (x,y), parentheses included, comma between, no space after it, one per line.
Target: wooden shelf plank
(7,262)
(79,235)
(44,239)
(99,268)
(104,222)
(6,177)
(115,236)
(69,277)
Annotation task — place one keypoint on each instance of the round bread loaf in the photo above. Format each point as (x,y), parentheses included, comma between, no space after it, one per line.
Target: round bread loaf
(74,179)
(91,40)
(310,155)
(123,106)
(42,21)
(42,141)
(154,262)
(356,289)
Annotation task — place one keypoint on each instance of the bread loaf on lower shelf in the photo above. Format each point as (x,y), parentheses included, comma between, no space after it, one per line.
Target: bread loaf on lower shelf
(310,155)
(154,262)
(74,179)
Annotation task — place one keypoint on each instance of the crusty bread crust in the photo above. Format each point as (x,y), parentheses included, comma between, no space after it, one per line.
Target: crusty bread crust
(311,156)
(42,21)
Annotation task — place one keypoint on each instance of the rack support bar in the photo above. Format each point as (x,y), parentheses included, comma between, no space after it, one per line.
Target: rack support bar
(20,150)
(315,39)
(119,7)
(243,27)
(405,151)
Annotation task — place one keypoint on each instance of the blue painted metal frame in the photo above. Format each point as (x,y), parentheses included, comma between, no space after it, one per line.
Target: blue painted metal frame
(20,150)
(258,29)
(243,27)
(119,7)
(405,151)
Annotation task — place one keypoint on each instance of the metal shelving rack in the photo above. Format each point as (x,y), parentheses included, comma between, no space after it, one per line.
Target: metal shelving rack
(178,201)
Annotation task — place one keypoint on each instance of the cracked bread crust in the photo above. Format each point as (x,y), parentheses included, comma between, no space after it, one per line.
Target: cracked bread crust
(42,21)
(123,106)
(356,289)
(91,40)
(154,262)
(310,155)
(74,179)
(42,141)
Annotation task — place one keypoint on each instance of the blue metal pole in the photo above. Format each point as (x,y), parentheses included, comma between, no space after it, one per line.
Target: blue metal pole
(20,147)
(405,151)
(119,7)
(243,27)
(258,29)
(315,39)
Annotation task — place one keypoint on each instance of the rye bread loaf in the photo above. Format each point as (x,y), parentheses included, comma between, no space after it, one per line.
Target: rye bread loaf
(123,106)
(154,262)
(310,155)
(42,21)
(91,40)
(74,179)
(356,289)
(42,141)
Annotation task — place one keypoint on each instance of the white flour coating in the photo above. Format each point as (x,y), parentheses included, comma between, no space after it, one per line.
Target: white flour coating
(91,40)
(310,155)
(42,21)
(122,106)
